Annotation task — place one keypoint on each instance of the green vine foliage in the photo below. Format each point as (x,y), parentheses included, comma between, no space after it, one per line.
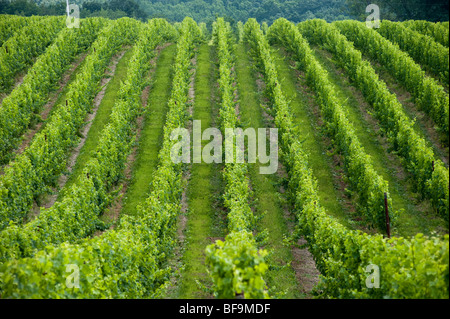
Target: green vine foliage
(437,30)
(364,180)
(416,267)
(39,166)
(422,48)
(9,24)
(418,156)
(128,261)
(19,50)
(235,266)
(27,100)
(76,216)
(428,94)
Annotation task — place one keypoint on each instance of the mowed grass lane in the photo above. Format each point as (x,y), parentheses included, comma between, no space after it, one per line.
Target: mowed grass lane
(415,215)
(201,188)
(150,140)
(311,136)
(99,122)
(280,277)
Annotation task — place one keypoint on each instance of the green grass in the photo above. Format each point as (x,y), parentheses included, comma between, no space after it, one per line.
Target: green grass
(411,220)
(281,277)
(312,142)
(100,121)
(201,190)
(151,137)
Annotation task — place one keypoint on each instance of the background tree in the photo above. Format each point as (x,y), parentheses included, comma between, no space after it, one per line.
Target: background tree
(262,10)
(400,10)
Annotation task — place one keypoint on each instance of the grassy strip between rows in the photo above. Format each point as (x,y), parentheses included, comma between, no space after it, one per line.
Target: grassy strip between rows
(151,134)
(280,277)
(200,188)
(416,267)
(306,127)
(410,219)
(129,261)
(236,265)
(101,119)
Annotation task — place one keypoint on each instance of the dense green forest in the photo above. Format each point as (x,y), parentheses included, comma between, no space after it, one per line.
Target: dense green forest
(263,11)
(431,10)
(208,10)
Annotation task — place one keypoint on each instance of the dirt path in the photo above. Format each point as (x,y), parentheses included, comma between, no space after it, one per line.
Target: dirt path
(182,218)
(18,80)
(150,136)
(47,109)
(415,214)
(112,214)
(285,276)
(197,219)
(424,125)
(50,200)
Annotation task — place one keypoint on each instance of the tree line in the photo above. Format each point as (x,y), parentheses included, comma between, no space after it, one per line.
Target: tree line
(233,11)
